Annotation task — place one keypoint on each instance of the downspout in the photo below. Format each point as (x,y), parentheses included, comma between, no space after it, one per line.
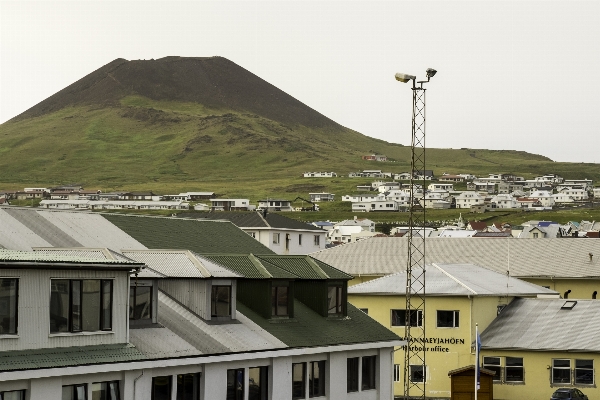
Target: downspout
(470,319)
(134,383)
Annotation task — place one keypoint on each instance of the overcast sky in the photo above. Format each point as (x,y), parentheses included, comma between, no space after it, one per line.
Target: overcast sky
(511,75)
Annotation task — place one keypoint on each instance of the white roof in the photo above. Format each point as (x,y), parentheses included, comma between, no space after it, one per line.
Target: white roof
(454,280)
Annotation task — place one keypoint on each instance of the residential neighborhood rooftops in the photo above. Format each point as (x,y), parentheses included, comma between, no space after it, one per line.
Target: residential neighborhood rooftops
(454,280)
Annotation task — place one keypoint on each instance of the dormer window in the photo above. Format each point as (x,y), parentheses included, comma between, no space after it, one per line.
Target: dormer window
(220,301)
(335,299)
(279,301)
(80,305)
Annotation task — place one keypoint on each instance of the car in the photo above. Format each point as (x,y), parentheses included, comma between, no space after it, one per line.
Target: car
(568,394)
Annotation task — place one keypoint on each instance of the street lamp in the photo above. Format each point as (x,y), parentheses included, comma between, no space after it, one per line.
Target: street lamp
(414,356)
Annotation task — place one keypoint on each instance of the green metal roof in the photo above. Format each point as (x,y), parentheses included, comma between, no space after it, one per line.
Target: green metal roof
(68,357)
(301,266)
(9,256)
(202,237)
(309,329)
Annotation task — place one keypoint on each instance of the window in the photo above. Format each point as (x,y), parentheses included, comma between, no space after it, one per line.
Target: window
(334,300)
(397,373)
(13,395)
(561,371)
(300,239)
(279,301)
(317,240)
(298,380)
(74,392)
(161,388)
(416,374)
(80,305)
(352,374)
(258,383)
(365,310)
(514,371)
(584,372)
(447,319)
(220,301)
(369,365)
(399,318)
(9,291)
(493,364)
(105,391)
(316,379)
(276,238)
(235,384)
(140,302)
(188,387)
(253,234)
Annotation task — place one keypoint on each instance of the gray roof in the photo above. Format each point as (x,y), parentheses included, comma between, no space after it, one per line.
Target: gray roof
(179,264)
(556,257)
(31,259)
(453,280)
(543,324)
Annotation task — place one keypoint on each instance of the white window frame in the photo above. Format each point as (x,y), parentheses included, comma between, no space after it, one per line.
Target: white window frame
(276,238)
(455,319)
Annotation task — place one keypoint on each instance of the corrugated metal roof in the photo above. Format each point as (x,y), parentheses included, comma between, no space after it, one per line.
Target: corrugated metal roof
(37,257)
(542,324)
(301,266)
(68,357)
(179,264)
(246,265)
(253,219)
(454,280)
(558,257)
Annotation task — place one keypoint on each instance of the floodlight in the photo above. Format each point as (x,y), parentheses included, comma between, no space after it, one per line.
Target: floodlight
(404,77)
(430,72)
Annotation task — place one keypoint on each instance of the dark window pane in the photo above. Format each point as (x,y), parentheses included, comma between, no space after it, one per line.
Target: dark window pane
(298,381)
(161,388)
(334,300)
(560,375)
(90,313)
(13,395)
(74,392)
(514,361)
(75,306)
(447,319)
(140,302)
(221,301)
(8,305)
(352,374)
(59,305)
(235,384)
(399,318)
(188,386)
(559,363)
(316,382)
(105,391)
(368,372)
(106,304)
(514,374)
(257,383)
(416,373)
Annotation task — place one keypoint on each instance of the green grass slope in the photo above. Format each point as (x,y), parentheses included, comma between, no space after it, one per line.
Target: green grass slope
(179,124)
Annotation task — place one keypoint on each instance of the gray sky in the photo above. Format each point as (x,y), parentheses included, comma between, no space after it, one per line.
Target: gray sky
(511,75)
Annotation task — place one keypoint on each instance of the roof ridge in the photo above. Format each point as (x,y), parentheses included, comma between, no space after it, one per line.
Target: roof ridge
(453,278)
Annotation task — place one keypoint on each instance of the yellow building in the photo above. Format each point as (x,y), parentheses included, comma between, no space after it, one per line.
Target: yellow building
(457,297)
(538,345)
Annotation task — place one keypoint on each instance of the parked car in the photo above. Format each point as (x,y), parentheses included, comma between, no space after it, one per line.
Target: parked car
(568,394)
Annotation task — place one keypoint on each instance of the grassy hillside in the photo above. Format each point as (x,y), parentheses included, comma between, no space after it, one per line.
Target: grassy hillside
(207,124)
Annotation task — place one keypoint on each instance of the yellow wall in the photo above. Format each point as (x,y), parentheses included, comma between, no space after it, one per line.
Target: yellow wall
(537,383)
(363,279)
(455,354)
(580,288)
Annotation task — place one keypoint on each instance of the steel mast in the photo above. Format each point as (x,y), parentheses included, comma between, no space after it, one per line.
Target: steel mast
(414,354)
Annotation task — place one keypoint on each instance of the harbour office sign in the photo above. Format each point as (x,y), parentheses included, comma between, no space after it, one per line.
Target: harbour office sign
(433,344)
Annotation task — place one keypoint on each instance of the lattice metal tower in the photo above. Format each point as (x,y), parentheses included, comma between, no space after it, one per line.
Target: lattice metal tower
(414,354)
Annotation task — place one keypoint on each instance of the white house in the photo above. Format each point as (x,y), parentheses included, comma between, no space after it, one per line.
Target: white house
(467,199)
(544,196)
(441,186)
(319,174)
(573,194)
(504,200)
(317,197)
(381,205)
(275,205)
(231,205)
